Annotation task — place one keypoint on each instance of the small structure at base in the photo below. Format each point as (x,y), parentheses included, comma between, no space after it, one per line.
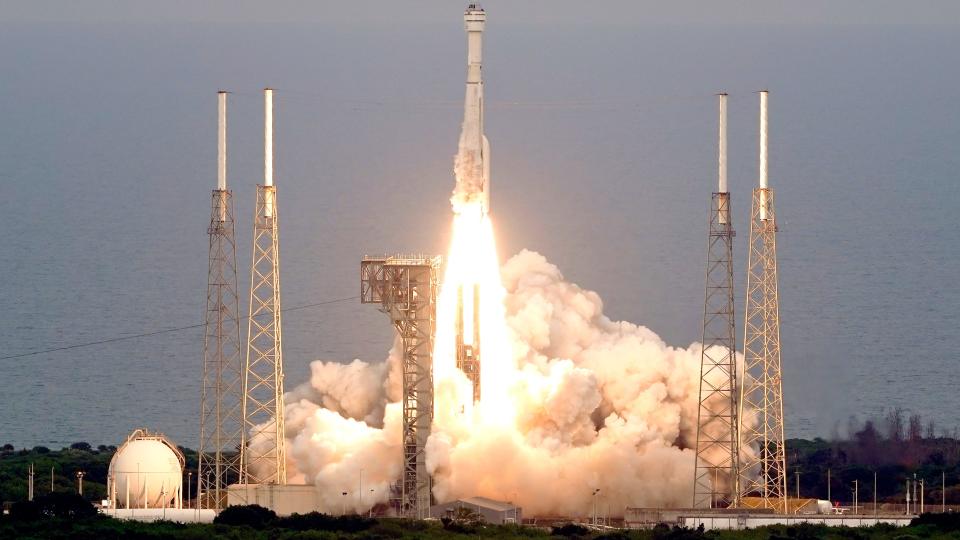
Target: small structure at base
(489,510)
(149,515)
(751,521)
(285,499)
(741,518)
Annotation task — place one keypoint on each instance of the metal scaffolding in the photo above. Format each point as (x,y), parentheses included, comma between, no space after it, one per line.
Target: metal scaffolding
(716,465)
(405,288)
(715,478)
(221,396)
(263,457)
(763,468)
(265,462)
(763,465)
(222,391)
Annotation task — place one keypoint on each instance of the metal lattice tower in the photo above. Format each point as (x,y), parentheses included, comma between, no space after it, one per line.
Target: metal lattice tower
(763,468)
(263,459)
(222,384)
(716,469)
(468,341)
(405,288)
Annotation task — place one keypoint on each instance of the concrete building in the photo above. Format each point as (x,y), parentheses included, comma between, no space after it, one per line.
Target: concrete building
(490,511)
(283,499)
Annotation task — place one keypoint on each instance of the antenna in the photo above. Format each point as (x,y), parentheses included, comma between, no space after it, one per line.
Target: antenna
(30,483)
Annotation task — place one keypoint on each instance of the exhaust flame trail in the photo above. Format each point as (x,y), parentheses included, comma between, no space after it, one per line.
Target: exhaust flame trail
(472,264)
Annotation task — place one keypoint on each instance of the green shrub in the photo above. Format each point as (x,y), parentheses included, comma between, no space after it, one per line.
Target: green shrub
(82,446)
(252,515)
(570,530)
(324,522)
(944,522)
(57,505)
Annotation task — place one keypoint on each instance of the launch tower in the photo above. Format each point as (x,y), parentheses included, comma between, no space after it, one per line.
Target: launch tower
(405,288)
(715,477)
(263,458)
(222,386)
(763,465)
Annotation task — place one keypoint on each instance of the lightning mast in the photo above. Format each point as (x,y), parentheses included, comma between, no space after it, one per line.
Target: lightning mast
(263,459)
(716,468)
(221,394)
(763,468)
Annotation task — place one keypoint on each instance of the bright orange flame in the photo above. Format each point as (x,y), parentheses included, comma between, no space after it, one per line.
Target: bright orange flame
(472,261)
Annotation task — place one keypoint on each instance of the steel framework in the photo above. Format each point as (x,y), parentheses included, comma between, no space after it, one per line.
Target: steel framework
(263,458)
(763,468)
(717,450)
(221,395)
(405,288)
(715,477)
(468,341)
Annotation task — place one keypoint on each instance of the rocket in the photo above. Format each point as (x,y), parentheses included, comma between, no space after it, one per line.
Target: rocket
(472,164)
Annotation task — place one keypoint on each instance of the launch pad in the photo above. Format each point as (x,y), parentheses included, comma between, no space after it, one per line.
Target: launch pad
(474,339)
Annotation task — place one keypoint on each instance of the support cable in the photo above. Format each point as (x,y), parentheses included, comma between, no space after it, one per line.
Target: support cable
(158,332)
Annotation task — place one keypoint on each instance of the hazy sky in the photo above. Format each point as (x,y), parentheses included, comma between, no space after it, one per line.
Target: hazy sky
(630,12)
(602,125)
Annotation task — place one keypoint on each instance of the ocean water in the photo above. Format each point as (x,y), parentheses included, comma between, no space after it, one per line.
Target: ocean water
(603,157)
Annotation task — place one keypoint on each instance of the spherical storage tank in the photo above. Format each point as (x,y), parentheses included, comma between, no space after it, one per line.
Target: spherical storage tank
(146,472)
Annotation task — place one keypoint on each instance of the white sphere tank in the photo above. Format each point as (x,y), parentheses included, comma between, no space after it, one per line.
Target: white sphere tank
(146,472)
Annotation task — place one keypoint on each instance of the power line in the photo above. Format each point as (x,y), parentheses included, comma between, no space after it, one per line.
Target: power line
(158,332)
(377,103)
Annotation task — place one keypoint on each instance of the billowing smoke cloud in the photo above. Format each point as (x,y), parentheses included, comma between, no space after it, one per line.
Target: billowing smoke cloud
(467,169)
(600,405)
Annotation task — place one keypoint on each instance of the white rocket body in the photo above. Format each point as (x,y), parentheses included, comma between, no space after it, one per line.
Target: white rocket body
(472,167)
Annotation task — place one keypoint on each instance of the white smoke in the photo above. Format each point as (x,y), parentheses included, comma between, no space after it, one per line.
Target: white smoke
(468,171)
(600,405)
(471,164)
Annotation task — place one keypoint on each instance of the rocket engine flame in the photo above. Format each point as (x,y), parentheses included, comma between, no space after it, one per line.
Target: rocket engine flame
(472,265)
